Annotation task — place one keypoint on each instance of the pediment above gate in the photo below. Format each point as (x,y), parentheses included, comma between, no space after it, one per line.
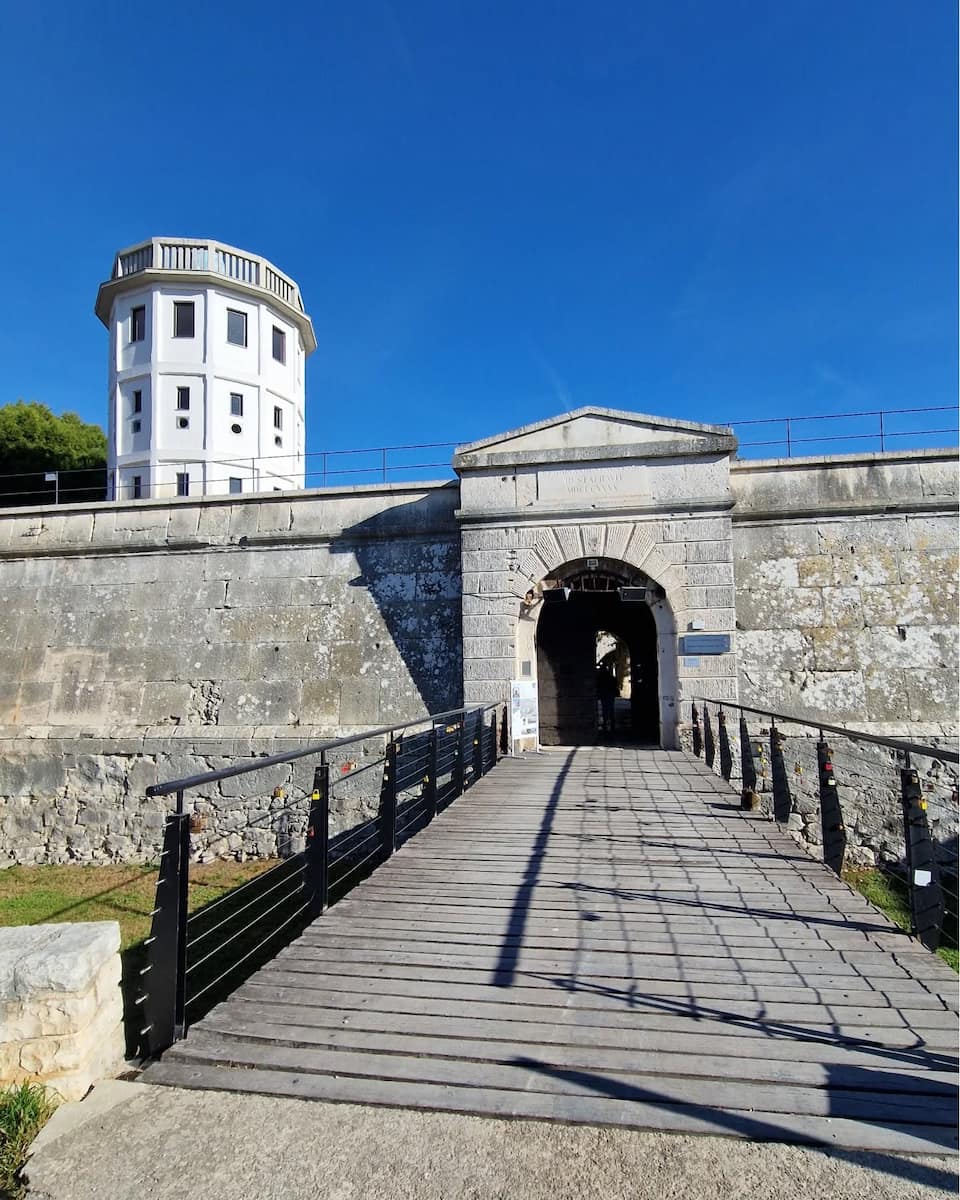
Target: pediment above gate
(589,434)
(596,460)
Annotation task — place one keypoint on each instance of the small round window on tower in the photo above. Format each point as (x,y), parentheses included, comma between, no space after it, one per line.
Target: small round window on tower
(278,441)
(183,422)
(235,428)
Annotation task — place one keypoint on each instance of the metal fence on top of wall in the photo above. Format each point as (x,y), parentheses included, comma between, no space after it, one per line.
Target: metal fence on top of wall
(769,437)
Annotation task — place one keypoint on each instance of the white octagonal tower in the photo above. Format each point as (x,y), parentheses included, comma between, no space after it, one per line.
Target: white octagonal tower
(207,351)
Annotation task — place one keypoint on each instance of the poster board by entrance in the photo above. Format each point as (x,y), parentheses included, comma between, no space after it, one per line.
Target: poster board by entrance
(524,715)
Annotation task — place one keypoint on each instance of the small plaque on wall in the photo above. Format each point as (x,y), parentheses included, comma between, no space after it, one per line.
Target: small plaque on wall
(705,643)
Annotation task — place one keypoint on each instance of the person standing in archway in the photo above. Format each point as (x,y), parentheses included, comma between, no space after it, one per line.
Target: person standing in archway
(606,694)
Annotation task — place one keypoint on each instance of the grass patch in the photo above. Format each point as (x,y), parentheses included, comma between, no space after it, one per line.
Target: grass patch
(24,1110)
(41,895)
(889,893)
(126,894)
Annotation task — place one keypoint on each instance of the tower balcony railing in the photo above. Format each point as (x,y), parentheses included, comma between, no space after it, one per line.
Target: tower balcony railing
(191,254)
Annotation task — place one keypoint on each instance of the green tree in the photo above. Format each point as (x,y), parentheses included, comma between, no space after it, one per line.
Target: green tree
(35,442)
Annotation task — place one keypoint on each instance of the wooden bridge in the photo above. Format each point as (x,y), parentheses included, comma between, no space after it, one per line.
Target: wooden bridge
(600,935)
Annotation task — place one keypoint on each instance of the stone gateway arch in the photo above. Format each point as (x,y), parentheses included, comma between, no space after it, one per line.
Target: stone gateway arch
(641,503)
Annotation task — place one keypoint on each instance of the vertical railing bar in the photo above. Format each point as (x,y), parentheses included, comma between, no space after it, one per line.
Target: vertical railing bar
(389,800)
(183,900)
(927,904)
(726,758)
(749,800)
(709,746)
(432,769)
(782,800)
(832,828)
(318,840)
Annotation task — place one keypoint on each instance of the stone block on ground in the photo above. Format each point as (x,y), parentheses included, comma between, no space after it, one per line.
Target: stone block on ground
(61,1010)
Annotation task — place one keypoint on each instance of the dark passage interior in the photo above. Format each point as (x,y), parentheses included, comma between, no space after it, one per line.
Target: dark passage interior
(567,659)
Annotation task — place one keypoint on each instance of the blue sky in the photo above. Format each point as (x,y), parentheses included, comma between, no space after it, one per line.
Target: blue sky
(501,211)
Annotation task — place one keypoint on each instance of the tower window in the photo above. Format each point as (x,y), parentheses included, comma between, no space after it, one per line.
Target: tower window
(183,422)
(183,483)
(136,487)
(236,486)
(235,428)
(236,404)
(236,327)
(138,323)
(279,345)
(183,318)
(135,426)
(278,441)
(138,401)
(277,417)
(183,397)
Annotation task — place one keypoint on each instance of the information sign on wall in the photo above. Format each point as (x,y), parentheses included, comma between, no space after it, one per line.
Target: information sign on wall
(705,643)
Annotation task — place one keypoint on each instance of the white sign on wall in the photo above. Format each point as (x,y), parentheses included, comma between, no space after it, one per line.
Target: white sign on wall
(524,709)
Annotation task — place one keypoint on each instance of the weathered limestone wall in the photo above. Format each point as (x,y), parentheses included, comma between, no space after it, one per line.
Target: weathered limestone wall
(61,1011)
(846,581)
(158,639)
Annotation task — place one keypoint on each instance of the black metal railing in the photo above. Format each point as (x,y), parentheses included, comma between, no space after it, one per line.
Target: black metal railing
(762,437)
(855,799)
(341,808)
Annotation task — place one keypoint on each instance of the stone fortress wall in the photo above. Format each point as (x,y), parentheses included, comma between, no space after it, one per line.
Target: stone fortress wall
(155,640)
(847,611)
(846,582)
(162,639)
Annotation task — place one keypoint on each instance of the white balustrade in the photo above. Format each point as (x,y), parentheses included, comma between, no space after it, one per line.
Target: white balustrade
(186,254)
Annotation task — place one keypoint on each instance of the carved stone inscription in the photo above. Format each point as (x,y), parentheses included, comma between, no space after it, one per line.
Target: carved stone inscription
(593,482)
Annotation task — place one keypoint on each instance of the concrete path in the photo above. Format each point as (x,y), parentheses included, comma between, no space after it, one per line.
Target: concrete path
(130,1141)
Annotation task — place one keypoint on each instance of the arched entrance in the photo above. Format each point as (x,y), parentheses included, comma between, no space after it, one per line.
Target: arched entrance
(597,615)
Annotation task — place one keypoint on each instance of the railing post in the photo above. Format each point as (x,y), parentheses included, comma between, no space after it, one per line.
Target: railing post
(697,738)
(183,902)
(778,770)
(388,801)
(831,815)
(163,1003)
(318,840)
(433,764)
(458,765)
(926,892)
(709,745)
(726,758)
(477,746)
(749,799)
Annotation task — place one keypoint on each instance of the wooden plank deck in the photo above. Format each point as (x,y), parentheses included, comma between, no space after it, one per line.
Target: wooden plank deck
(601,936)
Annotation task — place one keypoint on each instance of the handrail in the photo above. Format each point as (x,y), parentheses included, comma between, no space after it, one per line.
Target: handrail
(915,849)
(855,735)
(421,775)
(272,760)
